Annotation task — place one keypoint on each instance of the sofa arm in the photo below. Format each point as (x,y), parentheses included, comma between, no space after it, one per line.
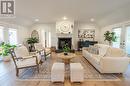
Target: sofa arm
(114,64)
(84,52)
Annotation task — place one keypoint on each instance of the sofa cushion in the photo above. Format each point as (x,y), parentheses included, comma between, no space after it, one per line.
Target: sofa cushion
(96,58)
(93,50)
(115,52)
(102,48)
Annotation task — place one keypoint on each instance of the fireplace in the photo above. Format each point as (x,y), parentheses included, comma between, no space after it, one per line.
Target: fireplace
(63,41)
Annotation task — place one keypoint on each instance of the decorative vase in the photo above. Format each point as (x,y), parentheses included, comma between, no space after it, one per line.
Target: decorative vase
(6,58)
(65,53)
(110,43)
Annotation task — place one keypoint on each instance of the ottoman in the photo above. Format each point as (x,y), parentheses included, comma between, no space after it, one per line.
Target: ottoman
(76,72)
(57,72)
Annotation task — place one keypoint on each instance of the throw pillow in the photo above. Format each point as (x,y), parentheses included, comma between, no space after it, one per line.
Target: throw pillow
(115,52)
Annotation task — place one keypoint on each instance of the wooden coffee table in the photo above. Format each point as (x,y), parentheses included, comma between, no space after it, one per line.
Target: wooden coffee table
(66,58)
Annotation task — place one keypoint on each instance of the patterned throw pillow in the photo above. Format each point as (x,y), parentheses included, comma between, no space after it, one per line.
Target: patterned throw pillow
(93,50)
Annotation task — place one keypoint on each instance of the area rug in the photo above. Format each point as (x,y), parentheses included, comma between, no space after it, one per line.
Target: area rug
(90,73)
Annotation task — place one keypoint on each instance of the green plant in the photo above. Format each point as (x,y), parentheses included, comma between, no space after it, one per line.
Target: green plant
(110,37)
(66,48)
(4,48)
(32,40)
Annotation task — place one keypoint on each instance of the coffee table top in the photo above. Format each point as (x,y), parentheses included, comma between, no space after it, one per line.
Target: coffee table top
(69,56)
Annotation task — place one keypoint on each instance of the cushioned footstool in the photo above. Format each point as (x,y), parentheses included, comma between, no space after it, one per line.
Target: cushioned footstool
(57,72)
(76,72)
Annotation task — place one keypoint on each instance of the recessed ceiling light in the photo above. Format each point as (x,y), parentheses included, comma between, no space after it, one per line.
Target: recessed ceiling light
(64,18)
(36,20)
(92,19)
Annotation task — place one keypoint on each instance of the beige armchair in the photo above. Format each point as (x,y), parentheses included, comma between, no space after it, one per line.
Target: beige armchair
(43,51)
(22,59)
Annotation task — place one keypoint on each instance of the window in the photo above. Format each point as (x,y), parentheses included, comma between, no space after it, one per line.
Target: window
(49,39)
(1,34)
(12,36)
(118,35)
(46,38)
(128,40)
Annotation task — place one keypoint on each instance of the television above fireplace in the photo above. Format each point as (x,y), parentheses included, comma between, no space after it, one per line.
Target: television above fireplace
(63,41)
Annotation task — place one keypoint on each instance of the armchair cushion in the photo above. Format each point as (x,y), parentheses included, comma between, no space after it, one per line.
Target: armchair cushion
(26,62)
(38,46)
(21,51)
(25,58)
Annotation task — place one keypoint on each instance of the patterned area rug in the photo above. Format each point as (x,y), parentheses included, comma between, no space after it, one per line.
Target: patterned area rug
(90,73)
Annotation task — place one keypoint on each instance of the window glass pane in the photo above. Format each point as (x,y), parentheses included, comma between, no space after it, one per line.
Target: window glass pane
(1,34)
(118,35)
(46,38)
(49,39)
(12,36)
(128,40)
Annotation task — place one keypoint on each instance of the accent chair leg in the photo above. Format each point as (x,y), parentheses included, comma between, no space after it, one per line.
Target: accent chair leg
(45,57)
(51,54)
(17,72)
(40,62)
(38,68)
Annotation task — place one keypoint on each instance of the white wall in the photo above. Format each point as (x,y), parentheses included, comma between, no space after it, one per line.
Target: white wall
(90,26)
(41,28)
(116,16)
(79,26)
(22,32)
(54,36)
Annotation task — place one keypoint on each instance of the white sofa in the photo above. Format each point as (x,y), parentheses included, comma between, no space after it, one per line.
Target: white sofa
(107,59)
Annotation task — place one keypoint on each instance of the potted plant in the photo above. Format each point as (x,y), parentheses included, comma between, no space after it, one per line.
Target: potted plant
(31,41)
(66,49)
(4,51)
(110,37)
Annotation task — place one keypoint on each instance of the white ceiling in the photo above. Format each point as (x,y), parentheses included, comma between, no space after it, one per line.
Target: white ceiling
(49,11)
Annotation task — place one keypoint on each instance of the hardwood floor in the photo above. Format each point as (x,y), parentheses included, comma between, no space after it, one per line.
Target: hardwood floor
(7,78)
